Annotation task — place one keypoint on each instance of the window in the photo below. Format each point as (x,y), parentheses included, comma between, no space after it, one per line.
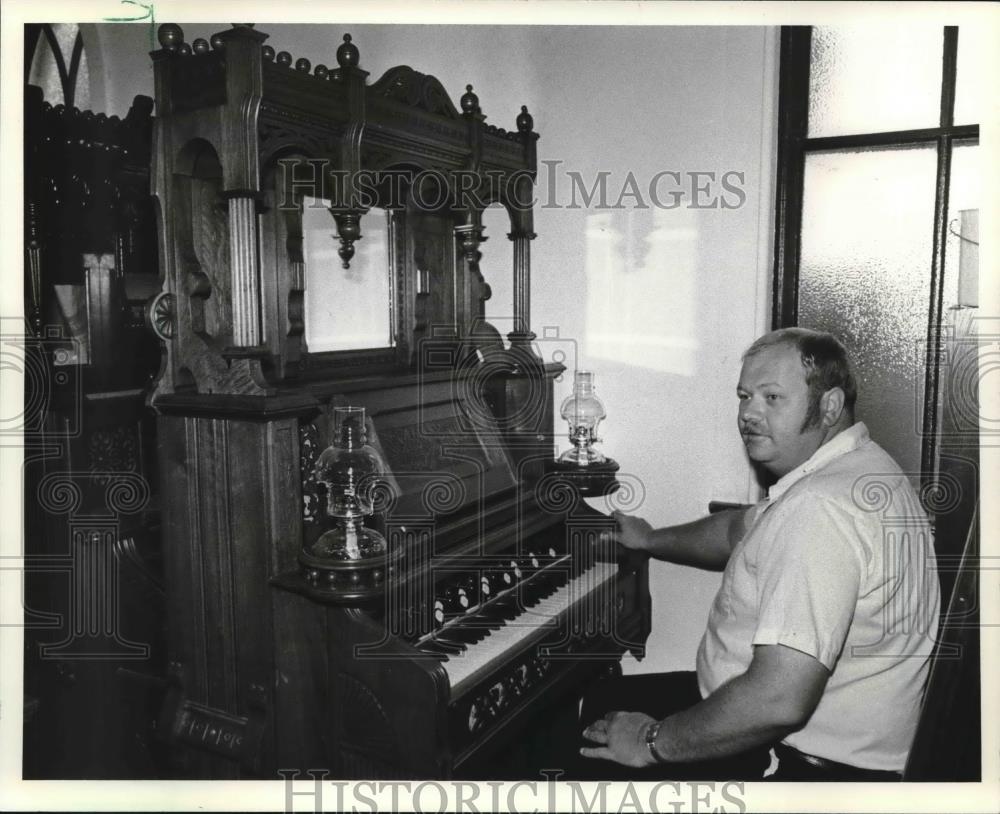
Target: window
(56,61)
(877,197)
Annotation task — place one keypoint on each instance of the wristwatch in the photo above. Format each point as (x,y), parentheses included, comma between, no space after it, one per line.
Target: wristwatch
(651,732)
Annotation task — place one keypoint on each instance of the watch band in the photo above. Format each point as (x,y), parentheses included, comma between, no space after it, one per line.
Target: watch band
(651,732)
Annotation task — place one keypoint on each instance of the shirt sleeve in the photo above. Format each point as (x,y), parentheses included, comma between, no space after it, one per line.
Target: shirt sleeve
(809,579)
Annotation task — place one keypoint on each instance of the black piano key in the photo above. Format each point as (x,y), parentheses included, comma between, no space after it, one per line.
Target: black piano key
(432,648)
(539,588)
(553,580)
(445,645)
(451,636)
(496,614)
(499,615)
(431,655)
(528,595)
(460,634)
(540,578)
(485,622)
(506,608)
(477,634)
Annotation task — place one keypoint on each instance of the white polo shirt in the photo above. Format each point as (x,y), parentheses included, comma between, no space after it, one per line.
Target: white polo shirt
(839,564)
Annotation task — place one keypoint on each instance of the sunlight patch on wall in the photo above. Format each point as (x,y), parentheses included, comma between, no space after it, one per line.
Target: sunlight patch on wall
(641,289)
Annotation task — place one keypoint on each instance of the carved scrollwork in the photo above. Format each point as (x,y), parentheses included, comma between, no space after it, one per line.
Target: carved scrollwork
(115,449)
(403,84)
(284,130)
(309,450)
(160,316)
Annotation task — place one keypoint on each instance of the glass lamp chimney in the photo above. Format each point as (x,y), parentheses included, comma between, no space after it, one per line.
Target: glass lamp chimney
(583,411)
(349,468)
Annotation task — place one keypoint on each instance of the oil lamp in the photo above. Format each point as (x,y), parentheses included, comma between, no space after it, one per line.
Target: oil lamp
(585,468)
(350,469)
(582,411)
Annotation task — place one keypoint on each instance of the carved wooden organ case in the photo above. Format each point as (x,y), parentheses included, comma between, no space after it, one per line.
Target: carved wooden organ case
(268,667)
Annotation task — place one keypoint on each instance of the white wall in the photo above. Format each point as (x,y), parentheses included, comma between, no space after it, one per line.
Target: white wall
(659,302)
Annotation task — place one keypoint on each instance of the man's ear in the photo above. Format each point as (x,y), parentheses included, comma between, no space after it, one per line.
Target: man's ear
(831,406)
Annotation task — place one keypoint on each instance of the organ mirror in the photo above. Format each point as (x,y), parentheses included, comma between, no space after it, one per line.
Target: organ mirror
(352,308)
(494,266)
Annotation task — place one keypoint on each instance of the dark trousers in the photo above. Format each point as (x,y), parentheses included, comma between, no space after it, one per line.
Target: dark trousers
(793,766)
(658,695)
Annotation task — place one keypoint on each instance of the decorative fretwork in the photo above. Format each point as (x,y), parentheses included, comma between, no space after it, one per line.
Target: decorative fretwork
(310,447)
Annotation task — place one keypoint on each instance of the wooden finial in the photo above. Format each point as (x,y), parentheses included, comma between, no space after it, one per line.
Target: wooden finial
(347,54)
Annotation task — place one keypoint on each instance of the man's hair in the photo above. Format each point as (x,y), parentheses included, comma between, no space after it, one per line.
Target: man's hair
(825,361)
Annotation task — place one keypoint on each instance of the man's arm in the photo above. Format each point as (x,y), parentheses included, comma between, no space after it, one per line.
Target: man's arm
(705,543)
(775,696)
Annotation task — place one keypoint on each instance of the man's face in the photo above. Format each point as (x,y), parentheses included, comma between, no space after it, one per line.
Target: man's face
(774,400)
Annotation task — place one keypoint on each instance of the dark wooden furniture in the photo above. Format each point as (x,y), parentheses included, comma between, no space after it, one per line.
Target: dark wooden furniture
(93,583)
(946,746)
(268,670)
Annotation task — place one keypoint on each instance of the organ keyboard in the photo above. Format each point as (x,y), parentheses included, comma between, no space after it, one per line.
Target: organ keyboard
(502,604)
(475,638)
(495,632)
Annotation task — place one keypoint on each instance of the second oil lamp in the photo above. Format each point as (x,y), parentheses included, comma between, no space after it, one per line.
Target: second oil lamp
(586,467)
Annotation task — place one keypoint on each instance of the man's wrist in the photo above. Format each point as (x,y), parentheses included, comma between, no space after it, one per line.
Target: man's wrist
(651,734)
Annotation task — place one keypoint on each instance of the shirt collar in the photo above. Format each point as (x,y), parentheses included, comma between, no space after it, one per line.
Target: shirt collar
(843,442)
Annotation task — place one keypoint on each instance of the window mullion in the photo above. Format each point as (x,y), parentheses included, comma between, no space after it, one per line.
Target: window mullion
(928,456)
(949,60)
(898,138)
(932,373)
(793,120)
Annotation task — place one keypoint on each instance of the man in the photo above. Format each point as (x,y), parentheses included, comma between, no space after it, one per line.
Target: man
(819,638)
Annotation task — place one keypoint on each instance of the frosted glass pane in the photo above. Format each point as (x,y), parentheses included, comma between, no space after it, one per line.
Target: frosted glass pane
(874,79)
(346,309)
(961,258)
(867,225)
(973,85)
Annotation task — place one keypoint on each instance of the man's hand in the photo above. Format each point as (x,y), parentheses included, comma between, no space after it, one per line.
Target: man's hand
(632,532)
(623,738)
